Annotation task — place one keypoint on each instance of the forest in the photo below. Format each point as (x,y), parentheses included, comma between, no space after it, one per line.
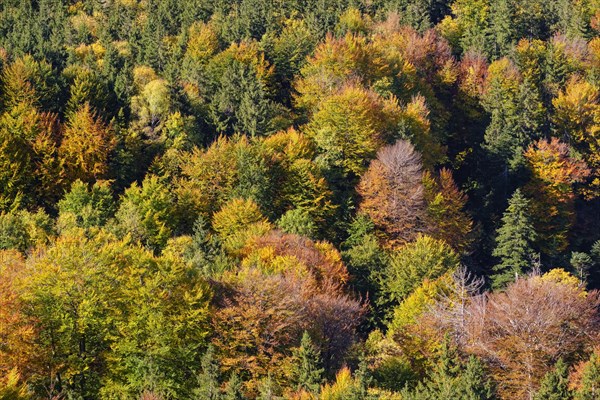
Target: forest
(299,199)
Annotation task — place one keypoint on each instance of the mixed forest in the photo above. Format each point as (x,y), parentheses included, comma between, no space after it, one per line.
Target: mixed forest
(299,199)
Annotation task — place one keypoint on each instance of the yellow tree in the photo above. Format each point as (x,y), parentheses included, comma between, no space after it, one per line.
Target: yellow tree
(577,117)
(446,217)
(350,126)
(554,174)
(86,146)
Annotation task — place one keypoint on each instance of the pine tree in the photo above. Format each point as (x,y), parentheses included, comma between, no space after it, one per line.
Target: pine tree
(208,380)
(555,385)
(307,374)
(514,241)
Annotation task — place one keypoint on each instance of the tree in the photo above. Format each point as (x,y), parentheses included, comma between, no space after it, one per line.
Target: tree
(86,207)
(446,217)
(515,113)
(554,174)
(237,222)
(306,374)
(577,116)
(27,81)
(392,193)
(24,230)
(234,389)
(87,87)
(289,51)
(349,128)
(426,258)
(157,346)
(146,213)
(473,17)
(29,175)
(555,385)
(514,241)
(208,379)
(589,385)
(151,108)
(86,146)
(451,378)
(521,341)
(11,387)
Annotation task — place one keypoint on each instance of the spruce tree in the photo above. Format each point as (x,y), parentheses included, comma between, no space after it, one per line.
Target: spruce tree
(452,379)
(501,27)
(234,388)
(590,381)
(307,374)
(474,384)
(514,241)
(555,385)
(267,389)
(208,380)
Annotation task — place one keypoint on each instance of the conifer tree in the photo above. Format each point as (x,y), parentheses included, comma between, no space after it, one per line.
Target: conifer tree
(307,374)
(590,381)
(514,241)
(208,379)
(555,385)
(234,388)
(452,379)
(474,384)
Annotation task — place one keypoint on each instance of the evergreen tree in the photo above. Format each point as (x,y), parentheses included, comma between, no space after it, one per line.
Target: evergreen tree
(208,380)
(234,388)
(267,389)
(514,241)
(590,381)
(307,374)
(501,27)
(581,264)
(452,379)
(555,385)
(474,384)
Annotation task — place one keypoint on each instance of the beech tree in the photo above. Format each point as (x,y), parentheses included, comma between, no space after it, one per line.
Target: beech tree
(86,146)
(554,174)
(522,331)
(392,193)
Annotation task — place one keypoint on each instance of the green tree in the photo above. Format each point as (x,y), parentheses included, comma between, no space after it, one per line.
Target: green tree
(590,380)
(233,390)
(516,114)
(298,222)
(22,230)
(555,385)
(208,379)
(240,103)
(307,374)
(146,213)
(86,206)
(514,241)
(411,264)
(452,378)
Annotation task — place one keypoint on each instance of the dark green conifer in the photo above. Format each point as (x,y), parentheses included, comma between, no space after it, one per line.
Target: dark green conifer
(555,385)
(208,379)
(514,241)
(307,373)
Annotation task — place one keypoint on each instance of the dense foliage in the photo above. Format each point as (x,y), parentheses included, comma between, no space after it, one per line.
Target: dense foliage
(286,199)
